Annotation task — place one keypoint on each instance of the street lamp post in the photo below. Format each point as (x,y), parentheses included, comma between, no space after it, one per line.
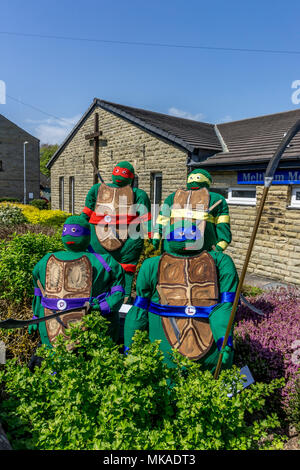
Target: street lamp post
(25,143)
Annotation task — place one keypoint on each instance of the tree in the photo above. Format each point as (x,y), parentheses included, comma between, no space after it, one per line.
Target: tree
(46,153)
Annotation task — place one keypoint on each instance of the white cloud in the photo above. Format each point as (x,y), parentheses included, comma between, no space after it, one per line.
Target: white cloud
(185,114)
(54,131)
(226,118)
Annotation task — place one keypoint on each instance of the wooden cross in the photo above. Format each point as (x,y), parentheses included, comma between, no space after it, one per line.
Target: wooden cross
(95,137)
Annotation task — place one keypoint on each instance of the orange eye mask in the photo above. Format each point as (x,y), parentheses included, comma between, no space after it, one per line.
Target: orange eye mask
(123,172)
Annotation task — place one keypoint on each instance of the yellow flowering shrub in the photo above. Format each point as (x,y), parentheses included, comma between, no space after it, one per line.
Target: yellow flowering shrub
(43,217)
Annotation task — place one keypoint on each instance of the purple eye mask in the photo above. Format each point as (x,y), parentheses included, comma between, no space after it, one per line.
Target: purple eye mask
(75,230)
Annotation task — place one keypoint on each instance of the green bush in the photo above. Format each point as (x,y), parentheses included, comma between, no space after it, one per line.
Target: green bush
(11,215)
(18,257)
(9,199)
(40,204)
(96,398)
(251,291)
(294,408)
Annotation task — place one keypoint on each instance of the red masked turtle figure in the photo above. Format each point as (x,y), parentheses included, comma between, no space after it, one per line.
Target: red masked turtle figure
(186,204)
(184,298)
(120,219)
(76,278)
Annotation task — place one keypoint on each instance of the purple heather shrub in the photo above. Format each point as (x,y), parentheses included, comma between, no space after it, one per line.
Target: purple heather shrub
(270,344)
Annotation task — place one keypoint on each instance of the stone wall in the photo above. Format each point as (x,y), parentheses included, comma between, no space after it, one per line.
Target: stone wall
(12,140)
(125,141)
(276,250)
(278,240)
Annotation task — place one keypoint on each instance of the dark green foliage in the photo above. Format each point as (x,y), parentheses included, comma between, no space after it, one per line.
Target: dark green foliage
(294,408)
(18,257)
(11,215)
(96,398)
(46,153)
(251,291)
(40,204)
(9,199)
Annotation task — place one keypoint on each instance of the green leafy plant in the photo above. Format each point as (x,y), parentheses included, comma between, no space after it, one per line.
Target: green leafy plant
(11,215)
(46,153)
(9,199)
(18,257)
(40,204)
(96,398)
(251,291)
(294,408)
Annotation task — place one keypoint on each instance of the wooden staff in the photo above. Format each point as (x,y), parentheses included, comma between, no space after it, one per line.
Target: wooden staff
(271,168)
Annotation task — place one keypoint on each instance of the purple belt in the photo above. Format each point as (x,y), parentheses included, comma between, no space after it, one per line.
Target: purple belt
(72,303)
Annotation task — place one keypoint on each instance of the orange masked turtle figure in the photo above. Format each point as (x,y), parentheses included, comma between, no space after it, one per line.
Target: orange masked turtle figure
(120,219)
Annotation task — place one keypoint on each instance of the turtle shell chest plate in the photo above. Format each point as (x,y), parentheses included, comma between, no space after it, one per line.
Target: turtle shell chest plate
(112,202)
(66,279)
(191,205)
(190,282)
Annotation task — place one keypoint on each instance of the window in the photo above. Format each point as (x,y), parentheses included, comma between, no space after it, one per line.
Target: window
(245,195)
(295,197)
(1,168)
(71,194)
(222,191)
(61,193)
(135,183)
(156,194)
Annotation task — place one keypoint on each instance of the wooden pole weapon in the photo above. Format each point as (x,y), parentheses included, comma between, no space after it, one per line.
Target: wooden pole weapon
(269,175)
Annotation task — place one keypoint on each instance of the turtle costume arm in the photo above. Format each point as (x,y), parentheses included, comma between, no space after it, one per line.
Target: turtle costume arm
(90,202)
(137,317)
(163,220)
(112,303)
(219,317)
(221,221)
(143,209)
(36,302)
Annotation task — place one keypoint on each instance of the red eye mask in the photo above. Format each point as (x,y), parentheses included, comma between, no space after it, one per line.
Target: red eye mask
(124,172)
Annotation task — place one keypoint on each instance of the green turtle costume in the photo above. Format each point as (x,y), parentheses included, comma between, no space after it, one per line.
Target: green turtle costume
(75,278)
(120,219)
(184,297)
(186,204)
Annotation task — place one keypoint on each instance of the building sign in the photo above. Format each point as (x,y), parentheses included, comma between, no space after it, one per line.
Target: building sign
(280,177)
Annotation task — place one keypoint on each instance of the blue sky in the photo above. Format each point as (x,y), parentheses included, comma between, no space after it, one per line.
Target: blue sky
(61,77)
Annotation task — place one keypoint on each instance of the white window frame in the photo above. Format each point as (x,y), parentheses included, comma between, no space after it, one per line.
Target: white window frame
(155,177)
(248,201)
(294,203)
(61,183)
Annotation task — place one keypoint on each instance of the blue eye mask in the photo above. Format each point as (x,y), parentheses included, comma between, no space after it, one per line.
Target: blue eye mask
(181,234)
(75,230)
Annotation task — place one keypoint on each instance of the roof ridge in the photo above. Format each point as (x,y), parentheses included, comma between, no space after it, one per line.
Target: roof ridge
(155,112)
(259,117)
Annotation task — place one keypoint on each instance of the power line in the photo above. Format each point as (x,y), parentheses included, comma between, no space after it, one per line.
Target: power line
(152,44)
(36,109)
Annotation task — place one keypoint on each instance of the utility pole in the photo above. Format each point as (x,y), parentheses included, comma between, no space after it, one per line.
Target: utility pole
(25,199)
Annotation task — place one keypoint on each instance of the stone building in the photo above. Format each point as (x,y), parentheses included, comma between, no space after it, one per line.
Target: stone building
(163,149)
(12,139)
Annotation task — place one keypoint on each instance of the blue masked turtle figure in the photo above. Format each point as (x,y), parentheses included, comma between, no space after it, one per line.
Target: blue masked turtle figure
(186,204)
(120,219)
(75,278)
(184,297)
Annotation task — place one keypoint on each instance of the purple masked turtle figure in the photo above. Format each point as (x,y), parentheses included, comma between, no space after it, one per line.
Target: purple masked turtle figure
(74,278)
